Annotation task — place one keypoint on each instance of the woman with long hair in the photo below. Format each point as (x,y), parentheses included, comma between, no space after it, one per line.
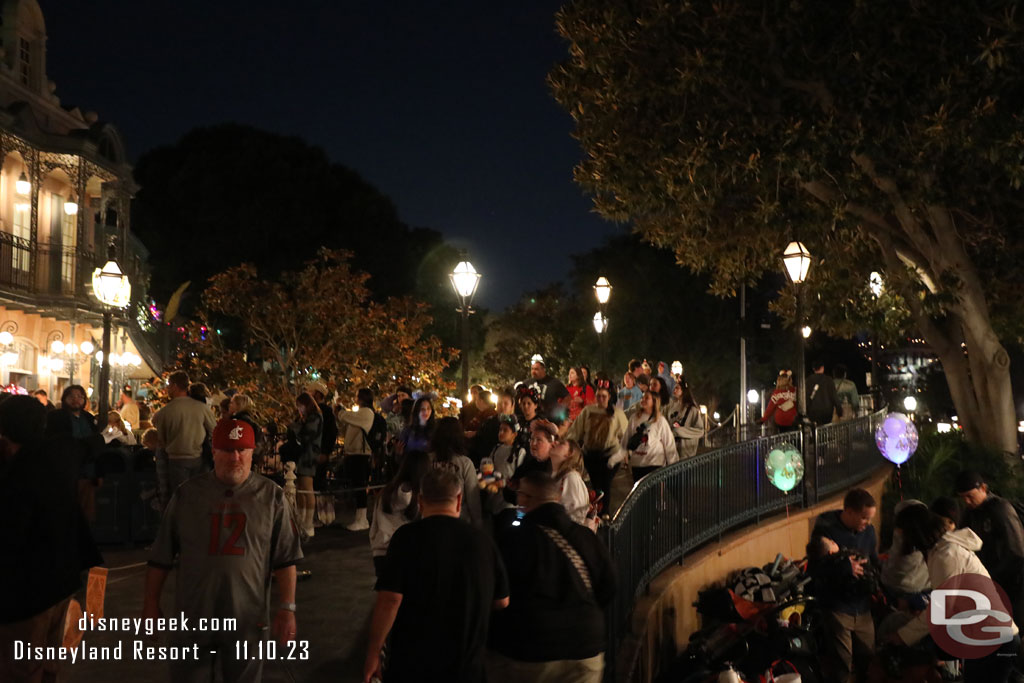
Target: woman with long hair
(599,431)
(529,407)
(660,389)
(580,393)
(684,415)
(397,504)
(448,448)
(306,429)
(587,378)
(950,553)
(567,468)
(416,435)
(648,441)
(781,407)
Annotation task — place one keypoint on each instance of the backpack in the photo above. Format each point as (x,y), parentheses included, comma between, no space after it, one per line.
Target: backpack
(377,437)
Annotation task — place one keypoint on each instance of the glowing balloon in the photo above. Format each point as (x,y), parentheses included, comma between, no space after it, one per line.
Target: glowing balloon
(784,466)
(896,438)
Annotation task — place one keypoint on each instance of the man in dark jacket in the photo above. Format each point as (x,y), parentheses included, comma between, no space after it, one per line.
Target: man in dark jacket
(73,421)
(45,540)
(560,580)
(995,521)
(848,615)
(329,436)
(822,399)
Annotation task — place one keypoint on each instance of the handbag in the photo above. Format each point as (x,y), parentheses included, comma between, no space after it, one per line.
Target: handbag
(639,436)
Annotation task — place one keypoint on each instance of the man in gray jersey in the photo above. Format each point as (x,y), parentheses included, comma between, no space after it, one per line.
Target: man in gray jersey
(229,530)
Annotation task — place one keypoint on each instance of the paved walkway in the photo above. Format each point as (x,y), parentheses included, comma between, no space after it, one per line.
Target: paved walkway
(334,608)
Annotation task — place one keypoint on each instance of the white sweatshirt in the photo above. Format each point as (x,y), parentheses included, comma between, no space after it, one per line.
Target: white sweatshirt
(384,525)
(660,447)
(575,496)
(952,555)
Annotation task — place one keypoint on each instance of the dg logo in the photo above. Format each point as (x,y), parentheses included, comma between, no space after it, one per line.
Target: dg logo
(970,616)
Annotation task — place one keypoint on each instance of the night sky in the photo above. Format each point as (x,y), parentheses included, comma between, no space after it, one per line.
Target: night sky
(441,105)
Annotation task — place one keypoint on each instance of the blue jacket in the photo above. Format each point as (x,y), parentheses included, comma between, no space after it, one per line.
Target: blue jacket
(866,542)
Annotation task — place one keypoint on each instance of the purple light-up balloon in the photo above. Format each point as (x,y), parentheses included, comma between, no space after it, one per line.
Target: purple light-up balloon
(896,438)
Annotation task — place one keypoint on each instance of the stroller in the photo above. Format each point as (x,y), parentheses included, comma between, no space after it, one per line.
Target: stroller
(762,629)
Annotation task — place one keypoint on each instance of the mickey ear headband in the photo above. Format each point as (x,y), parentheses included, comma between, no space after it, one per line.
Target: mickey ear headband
(528,392)
(604,384)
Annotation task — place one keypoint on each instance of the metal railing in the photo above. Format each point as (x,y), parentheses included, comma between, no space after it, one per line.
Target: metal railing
(678,508)
(844,451)
(43,268)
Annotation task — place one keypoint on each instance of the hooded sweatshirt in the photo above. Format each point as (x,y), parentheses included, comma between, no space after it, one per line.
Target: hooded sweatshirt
(384,525)
(357,425)
(953,555)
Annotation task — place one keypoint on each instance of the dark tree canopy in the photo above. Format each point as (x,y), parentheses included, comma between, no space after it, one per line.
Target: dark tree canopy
(230,194)
(885,135)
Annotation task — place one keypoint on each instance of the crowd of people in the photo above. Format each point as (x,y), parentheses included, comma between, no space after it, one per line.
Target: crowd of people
(481,525)
(875,602)
(829,399)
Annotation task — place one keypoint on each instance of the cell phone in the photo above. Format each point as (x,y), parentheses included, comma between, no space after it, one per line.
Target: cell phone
(519,517)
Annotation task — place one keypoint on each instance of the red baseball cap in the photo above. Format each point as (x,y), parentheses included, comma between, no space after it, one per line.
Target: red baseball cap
(233,435)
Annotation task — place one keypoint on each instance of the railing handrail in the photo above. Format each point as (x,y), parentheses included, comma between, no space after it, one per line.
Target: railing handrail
(642,556)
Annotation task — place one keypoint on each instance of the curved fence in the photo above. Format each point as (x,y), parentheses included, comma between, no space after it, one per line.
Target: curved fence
(676,509)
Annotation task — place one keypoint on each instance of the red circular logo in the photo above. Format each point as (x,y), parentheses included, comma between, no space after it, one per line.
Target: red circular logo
(970,616)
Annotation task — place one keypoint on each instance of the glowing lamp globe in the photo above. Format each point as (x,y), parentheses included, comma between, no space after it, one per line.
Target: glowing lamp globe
(87,347)
(797,260)
(111,286)
(784,466)
(6,338)
(465,280)
(876,284)
(71,208)
(22,185)
(753,397)
(677,368)
(896,438)
(57,346)
(602,290)
(600,323)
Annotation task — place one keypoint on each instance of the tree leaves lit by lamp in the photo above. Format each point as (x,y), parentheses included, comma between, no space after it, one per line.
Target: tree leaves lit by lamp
(797,260)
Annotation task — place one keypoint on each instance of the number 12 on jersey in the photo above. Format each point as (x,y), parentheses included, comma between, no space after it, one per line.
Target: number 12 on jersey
(235,522)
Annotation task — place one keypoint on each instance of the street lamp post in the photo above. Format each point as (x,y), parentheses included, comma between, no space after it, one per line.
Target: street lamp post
(603,292)
(113,290)
(797,261)
(600,325)
(465,280)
